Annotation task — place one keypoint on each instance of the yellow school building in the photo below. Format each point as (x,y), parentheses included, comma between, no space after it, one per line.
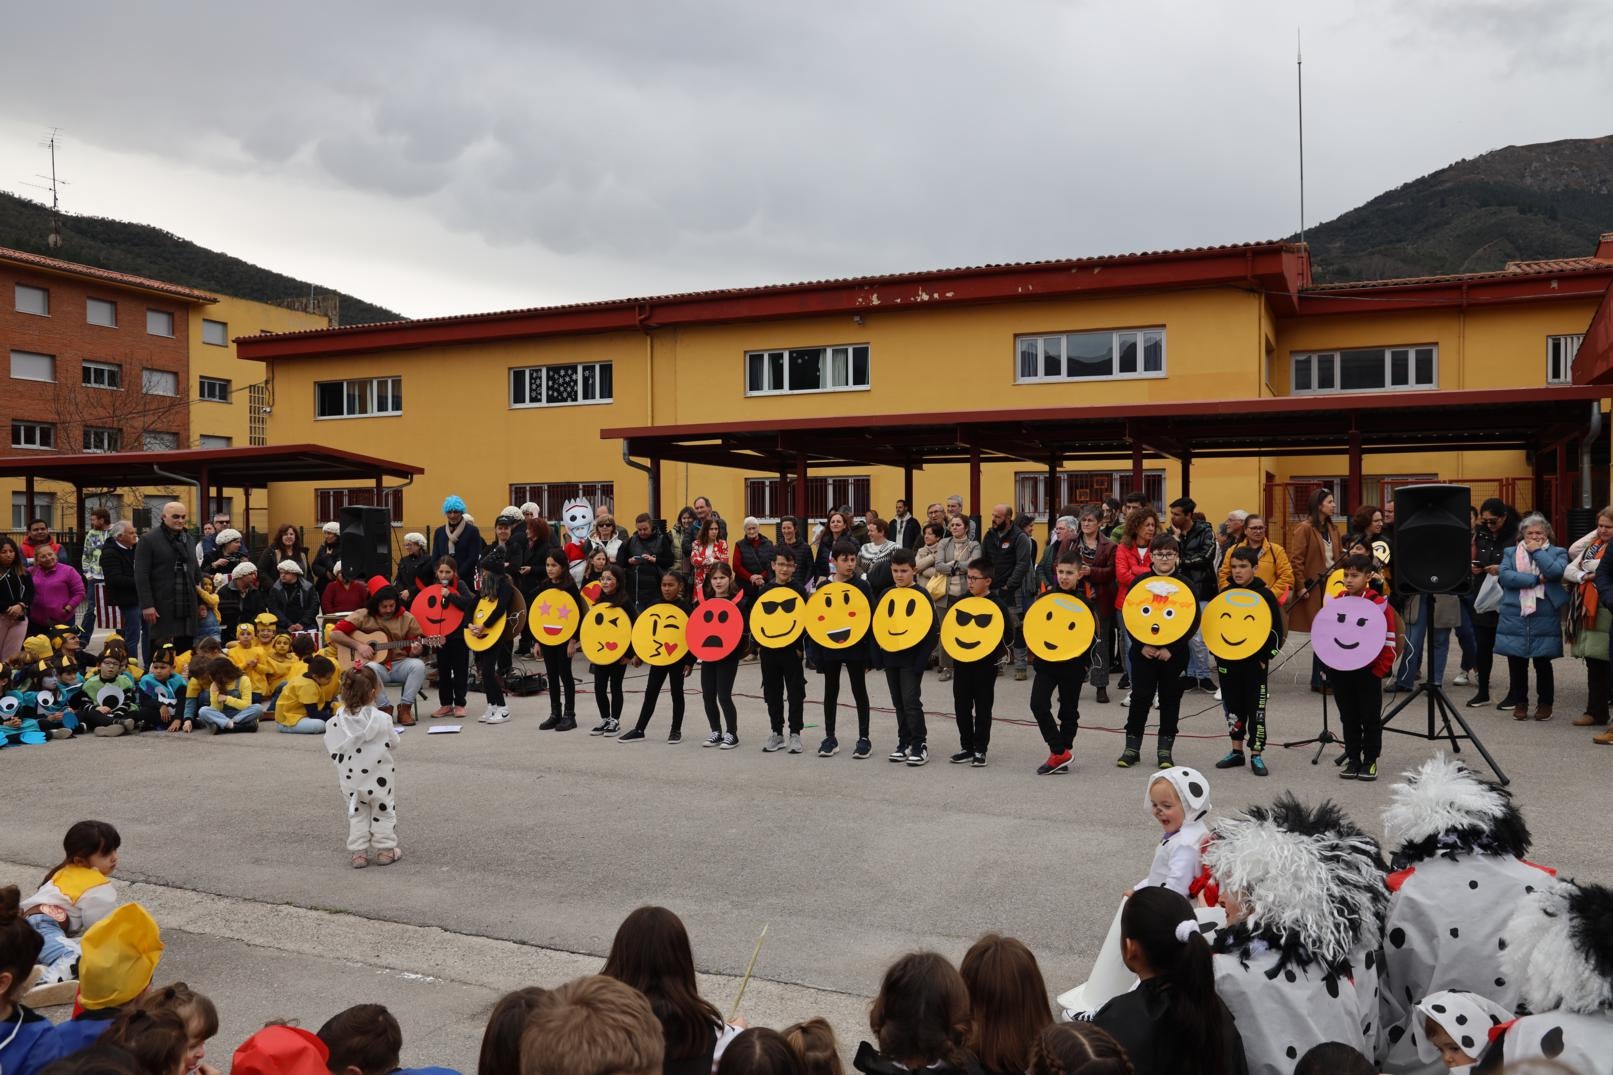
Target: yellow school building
(1036,385)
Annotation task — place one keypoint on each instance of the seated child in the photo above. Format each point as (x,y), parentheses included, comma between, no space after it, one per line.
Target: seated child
(60,711)
(64,640)
(120,956)
(920,1019)
(366,1040)
(198,1014)
(501,1041)
(225,697)
(116,647)
(596,1026)
(162,694)
(281,1050)
(113,698)
(156,1040)
(30,1042)
(76,894)
(1453,1027)
(285,660)
(1179,798)
(304,703)
(204,648)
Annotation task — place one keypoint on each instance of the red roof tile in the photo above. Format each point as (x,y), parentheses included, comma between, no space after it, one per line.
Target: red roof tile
(73,268)
(1548,266)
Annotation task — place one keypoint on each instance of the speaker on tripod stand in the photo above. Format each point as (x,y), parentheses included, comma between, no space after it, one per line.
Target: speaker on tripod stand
(1433,557)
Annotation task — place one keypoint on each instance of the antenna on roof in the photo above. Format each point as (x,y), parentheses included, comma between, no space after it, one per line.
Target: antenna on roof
(55,237)
(1299,71)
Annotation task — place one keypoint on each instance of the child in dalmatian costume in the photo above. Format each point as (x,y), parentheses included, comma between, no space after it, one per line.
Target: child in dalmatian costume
(1304,894)
(360,739)
(1176,860)
(1452,1028)
(1459,874)
(1559,949)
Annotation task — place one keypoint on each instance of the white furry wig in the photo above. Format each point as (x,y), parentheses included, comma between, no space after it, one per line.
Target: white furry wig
(1312,882)
(1559,948)
(1442,805)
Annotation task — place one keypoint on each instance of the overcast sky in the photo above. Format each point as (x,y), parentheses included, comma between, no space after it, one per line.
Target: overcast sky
(442,159)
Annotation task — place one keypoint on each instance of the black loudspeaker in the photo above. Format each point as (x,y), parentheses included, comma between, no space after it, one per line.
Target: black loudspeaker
(1433,539)
(366,542)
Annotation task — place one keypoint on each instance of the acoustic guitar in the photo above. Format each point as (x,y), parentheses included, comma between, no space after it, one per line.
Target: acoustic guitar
(381,642)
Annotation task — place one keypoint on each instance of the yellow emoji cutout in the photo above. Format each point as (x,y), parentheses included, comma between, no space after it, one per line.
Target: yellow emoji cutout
(607,634)
(485,610)
(554,616)
(903,617)
(1380,552)
(1159,610)
(1334,587)
(778,617)
(837,615)
(1058,627)
(1237,624)
(658,634)
(972,628)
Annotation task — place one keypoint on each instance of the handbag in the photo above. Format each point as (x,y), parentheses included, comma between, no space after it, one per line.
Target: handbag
(1489,595)
(937,586)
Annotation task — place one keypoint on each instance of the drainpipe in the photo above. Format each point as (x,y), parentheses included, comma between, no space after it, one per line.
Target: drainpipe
(649,473)
(1586,495)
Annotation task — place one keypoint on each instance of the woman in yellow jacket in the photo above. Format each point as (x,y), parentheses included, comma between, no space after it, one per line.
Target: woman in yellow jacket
(1271,566)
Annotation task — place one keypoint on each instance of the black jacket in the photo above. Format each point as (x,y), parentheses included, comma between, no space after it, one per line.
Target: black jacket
(1197,565)
(803,557)
(1179,649)
(320,570)
(643,577)
(756,559)
(906,533)
(1140,1022)
(1010,553)
(236,608)
(414,575)
(296,604)
(117,574)
(165,578)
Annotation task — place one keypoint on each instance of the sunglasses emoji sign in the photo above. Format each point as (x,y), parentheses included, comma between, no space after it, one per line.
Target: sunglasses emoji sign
(607,634)
(1159,611)
(837,615)
(778,618)
(902,618)
(715,628)
(659,634)
(1059,627)
(1349,633)
(972,629)
(1237,624)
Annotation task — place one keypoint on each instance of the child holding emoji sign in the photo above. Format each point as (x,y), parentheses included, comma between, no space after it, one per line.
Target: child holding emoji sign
(1359,691)
(610,617)
(835,652)
(781,663)
(904,628)
(1243,627)
(1054,629)
(976,630)
(660,674)
(1160,613)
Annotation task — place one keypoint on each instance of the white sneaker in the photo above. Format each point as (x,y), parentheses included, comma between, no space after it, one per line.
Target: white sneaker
(497,715)
(1218,694)
(1461,680)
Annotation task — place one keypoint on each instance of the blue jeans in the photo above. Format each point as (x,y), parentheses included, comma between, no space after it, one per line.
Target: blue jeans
(56,943)
(1412,661)
(1465,638)
(87,624)
(134,631)
(305,726)
(245,719)
(1199,665)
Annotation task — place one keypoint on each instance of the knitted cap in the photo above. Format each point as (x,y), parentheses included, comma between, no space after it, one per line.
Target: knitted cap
(289,565)
(243,569)
(120,956)
(281,1050)
(332,528)
(226,535)
(414,537)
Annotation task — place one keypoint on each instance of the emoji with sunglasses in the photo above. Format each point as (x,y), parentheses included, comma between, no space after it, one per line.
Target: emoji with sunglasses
(778,618)
(972,628)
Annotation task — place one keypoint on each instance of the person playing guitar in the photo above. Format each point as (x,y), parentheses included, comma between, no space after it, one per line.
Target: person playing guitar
(375,635)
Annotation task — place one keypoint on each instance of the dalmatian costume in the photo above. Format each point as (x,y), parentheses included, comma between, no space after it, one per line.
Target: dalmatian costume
(1176,860)
(1559,949)
(1310,886)
(1459,874)
(1465,1017)
(361,746)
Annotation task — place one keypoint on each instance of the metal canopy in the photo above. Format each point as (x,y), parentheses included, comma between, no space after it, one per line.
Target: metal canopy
(235,468)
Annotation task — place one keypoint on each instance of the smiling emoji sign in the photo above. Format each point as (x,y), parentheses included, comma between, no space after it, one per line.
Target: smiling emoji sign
(1059,627)
(1237,624)
(972,629)
(837,616)
(1349,633)
(778,618)
(607,634)
(554,616)
(715,628)
(902,618)
(1159,610)
(436,616)
(658,634)
(486,609)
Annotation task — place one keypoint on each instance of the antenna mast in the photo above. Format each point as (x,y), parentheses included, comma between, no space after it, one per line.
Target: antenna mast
(55,237)
(1299,71)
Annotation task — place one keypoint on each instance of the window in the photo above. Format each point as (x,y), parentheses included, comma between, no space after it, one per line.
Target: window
(100,439)
(1083,487)
(1560,352)
(159,323)
(28,366)
(33,300)
(1084,356)
(153,441)
(766,500)
(328,503)
(365,398)
(548,386)
(205,440)
(101,312)
(159,382)
(1370,369)
(44,508)
(214,389)
(550,497)
(112,502)
(33,435)
(102,375)
(257,423)
(807,369)
(216,333)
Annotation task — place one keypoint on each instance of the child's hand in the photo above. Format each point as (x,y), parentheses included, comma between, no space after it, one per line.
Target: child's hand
(1126,895)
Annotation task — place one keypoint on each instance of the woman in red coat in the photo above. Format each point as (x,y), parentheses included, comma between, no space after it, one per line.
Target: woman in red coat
(1131,561)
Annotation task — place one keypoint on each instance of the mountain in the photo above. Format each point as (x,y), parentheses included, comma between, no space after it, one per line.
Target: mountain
(147,251)
(1548,200)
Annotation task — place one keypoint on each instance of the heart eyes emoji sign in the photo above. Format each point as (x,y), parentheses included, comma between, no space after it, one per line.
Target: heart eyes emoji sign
(658,634)
(837,615)
(776,620)
(607,634)
(715,628)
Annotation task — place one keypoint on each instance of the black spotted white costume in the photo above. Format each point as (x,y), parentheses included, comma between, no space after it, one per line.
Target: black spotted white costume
(1466,1017)
(1293,969)
(361,746)
(1458,877)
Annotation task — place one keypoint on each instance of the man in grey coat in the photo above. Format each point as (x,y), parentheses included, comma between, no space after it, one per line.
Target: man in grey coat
(165,577)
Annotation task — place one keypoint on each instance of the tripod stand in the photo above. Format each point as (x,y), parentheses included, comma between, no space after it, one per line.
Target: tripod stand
(1323,738)
(1441,709)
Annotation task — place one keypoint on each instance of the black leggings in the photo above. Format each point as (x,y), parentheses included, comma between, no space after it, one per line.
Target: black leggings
(487,669)
(1148,677)
(717,686)
(1484,636)
(659,675)
(557,666)
(857,673)
(1359,696)
(1518,673)
(1243,690)
(453,670)
(608,690)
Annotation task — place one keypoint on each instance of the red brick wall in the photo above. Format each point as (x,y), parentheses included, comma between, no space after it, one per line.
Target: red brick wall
(68,335)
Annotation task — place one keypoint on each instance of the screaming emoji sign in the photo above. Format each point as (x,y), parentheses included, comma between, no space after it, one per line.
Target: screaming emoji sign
(715,628)
(436,616)
(1349,633)
(1058,627)
(1237,623)
(837,615)
(554,616)
(903,618)
(1160,610)
(971,629)
(607,632)
(776,619)
(658,634)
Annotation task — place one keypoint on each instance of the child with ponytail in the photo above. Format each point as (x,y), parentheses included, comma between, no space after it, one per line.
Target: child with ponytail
(27,1039)
(1077,1049)
(75,894)
(1172,1023)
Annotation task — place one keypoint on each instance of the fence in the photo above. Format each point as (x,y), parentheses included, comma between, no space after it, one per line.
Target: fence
(1286,503)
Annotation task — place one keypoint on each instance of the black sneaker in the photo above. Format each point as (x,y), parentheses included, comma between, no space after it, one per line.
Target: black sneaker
(1257,766)
(862,750)
(829,747)
(632,735)
(1351,770)
(961,757)
(979,762)
(1510,702)
(1128,758)
(918,755)
(1124,684)
(567,724)
(612,727)
(1103,694)
(548,725)
(1232,759)
(1480,699)
(598,729)
(674,736)
(1369,771)
(898,755)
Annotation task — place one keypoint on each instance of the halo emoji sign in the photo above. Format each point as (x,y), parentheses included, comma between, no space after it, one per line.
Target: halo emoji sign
(658,634)
(837,615)
(554,616)
(1349,633)
(778,618)
(902,618)
(607,634)
(1237,623)
(972,628)
(1059,627)
(714,629)
(1159,611)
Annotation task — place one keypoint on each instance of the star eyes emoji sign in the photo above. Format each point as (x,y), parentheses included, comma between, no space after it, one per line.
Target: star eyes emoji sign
(607,634)
(1059,627)
(902,618)
(715,628)
(971,629)
(658,634)
(1237,623)
(1159,611)
(837,615)
(554,616)
(776,620)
